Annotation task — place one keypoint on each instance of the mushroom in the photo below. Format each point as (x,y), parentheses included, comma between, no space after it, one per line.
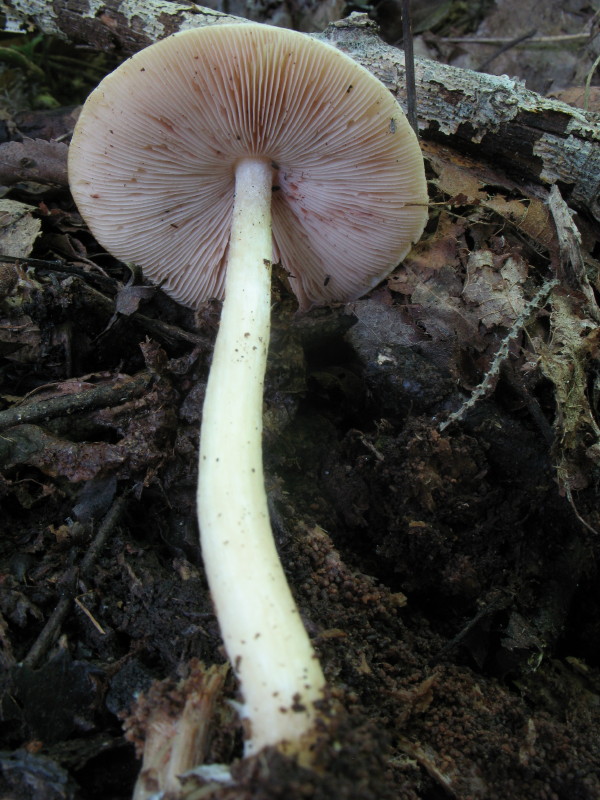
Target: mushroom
(204,159)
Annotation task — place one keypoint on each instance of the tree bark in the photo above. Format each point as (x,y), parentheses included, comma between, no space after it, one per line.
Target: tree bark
(537,141)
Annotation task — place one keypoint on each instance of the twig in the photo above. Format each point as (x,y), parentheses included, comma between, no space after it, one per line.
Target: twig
(572,265)
(106,528)
(58,616)
(48,633)
(409,66)
(175,725)
(162,331)
(499,600)
(32,262)
(559,39)
(508,46)
(502,354)
(588,84)
(90,616)
(585,524)
(115,393)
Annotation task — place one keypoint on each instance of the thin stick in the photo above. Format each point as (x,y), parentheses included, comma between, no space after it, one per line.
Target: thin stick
(105,395)
(90,616)
(500,40)
(58,616)
(48,634)
(508,46)
(588,84)
(502,354)
(409,66)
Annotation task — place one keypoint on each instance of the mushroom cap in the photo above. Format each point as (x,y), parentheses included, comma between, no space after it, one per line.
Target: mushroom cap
(153,155)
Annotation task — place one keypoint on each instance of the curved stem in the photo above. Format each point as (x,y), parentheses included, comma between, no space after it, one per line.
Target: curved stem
(264,636)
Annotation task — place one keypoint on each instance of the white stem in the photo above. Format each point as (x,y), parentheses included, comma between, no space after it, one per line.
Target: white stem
(264,636)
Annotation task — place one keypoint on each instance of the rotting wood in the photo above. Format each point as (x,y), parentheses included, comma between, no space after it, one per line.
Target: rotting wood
(539,141)
(119,391)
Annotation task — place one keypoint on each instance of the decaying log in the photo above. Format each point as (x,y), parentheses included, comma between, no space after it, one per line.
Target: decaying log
(538,141)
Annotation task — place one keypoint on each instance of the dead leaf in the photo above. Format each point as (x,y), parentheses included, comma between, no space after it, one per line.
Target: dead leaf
(129,298)
(575,96)
(459,180)
(20,341)
(529,215)
(443,313)
(498,293)
(564,360)
(34,160)
(430,255)
(470,183)
(18,228)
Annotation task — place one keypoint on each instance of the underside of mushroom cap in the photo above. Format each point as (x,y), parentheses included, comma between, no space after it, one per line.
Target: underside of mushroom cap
(153,157)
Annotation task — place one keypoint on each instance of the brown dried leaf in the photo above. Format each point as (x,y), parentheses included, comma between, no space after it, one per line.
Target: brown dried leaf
(34,160)
(431,277)
(430,255)
(129,298)
(443,312)
(575,96)
(30,444)
(530,216)
(20,341)
(458,180)
(468,182)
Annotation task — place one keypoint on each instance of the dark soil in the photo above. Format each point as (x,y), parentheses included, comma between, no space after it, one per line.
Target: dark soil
(448,585)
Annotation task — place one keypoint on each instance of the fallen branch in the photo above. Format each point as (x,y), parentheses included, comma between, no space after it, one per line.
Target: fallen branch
(540,141)
(115,393)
